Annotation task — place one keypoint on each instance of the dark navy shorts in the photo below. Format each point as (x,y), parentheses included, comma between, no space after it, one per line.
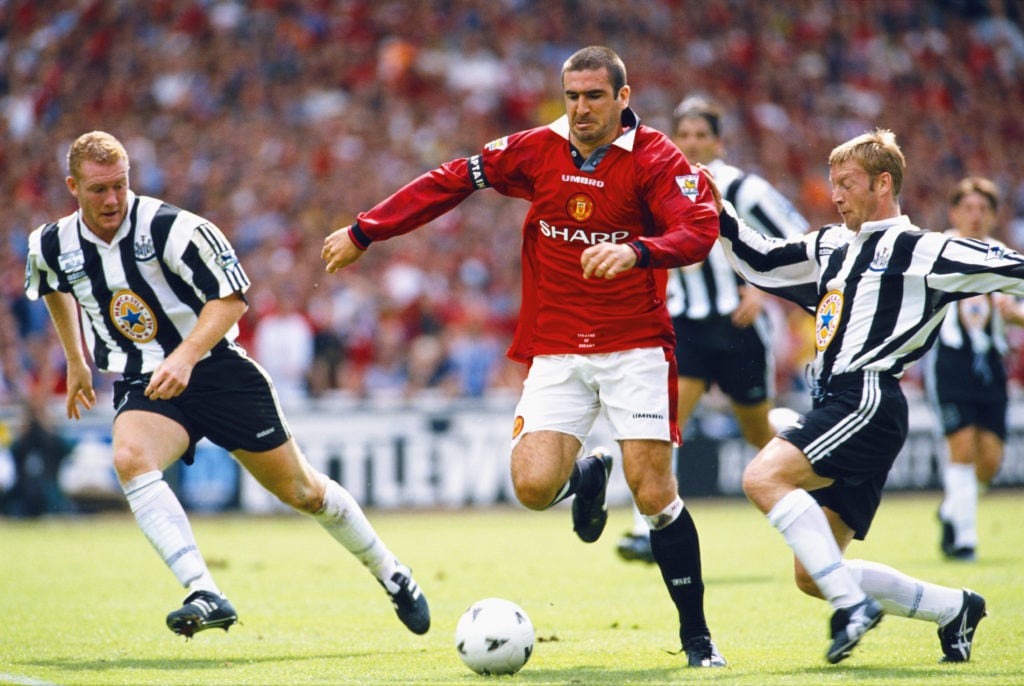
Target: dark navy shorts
(229,400)
(968,392)
(718,352)
(852,435)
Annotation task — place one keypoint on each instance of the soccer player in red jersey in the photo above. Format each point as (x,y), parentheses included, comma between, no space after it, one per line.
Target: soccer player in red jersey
(613,204)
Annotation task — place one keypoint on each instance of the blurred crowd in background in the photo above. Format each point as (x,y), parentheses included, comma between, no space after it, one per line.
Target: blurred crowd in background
(280,120)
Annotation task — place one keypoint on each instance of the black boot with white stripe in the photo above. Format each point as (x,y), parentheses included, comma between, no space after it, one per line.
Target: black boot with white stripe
(409,601)
(202,610)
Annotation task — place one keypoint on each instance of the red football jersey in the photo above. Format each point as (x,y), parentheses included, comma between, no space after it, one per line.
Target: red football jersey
(639,190)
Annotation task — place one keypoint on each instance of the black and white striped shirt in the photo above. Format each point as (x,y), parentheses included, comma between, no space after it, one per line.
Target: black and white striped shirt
(878,295)
(975,324)
(711,288)
(141,294)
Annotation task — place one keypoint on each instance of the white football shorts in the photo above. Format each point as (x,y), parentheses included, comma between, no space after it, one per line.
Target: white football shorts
(566,393)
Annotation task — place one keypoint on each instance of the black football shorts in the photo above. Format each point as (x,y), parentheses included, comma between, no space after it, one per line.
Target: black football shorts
(718,352)
(853,435)
(229,399)
(968,392)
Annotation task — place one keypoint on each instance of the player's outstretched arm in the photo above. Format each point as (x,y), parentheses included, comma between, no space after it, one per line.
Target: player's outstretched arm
(340,250)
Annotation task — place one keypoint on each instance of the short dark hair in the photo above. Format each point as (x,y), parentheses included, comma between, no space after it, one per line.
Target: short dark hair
(976,184)
(698,106)
(596,57)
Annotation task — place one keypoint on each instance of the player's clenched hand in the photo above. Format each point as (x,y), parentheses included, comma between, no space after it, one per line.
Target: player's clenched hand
(340,250)
(170,377)
(607,260)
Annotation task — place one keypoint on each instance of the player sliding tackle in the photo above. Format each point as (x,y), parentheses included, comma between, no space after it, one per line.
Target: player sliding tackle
(879,288)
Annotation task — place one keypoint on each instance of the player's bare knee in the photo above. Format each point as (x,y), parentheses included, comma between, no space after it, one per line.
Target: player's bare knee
(761,473)
(752,480)
(651,497)
(532,493)
(304,497)
(304,501)
(130,461)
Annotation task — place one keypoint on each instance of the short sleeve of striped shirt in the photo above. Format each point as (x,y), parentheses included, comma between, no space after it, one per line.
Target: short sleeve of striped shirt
(225,272)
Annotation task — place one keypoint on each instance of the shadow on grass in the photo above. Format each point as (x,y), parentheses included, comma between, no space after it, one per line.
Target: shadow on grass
(116,664)
(739,580)
(937,673)
(602,675)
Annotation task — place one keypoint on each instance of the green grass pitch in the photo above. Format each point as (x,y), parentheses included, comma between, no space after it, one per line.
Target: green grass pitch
(83,601)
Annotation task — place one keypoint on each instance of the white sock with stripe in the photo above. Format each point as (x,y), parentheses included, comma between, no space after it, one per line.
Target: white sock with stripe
(803,524)
(163,521)
(343,519)
(905,596)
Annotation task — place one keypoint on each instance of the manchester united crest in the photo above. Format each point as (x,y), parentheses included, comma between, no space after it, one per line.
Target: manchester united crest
(830,310)
(132,317)
(580,207)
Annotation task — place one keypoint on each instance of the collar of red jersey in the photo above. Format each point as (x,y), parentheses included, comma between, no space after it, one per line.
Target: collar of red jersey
(630,123)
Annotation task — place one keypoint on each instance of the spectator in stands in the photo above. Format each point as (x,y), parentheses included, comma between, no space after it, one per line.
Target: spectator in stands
(280,100)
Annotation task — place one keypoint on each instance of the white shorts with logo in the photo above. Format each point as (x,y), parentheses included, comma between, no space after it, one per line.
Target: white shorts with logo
(566,393)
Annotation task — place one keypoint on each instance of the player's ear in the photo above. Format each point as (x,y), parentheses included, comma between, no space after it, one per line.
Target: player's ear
(884,181)
(72,185)
(624,96)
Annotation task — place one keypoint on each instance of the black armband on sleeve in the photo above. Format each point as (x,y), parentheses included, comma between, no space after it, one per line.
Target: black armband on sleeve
(359,236)
(643,253)
(476,172)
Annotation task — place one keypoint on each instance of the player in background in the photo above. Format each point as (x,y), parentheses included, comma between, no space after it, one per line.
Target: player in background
(879,287)
(966,378)
(159,292)
(722,331)
(613,204)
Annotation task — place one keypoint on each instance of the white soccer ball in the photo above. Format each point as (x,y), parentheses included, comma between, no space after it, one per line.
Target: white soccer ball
(494,636)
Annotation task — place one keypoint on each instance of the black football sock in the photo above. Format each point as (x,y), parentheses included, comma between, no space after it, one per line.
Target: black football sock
(676,549)
(586,478)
